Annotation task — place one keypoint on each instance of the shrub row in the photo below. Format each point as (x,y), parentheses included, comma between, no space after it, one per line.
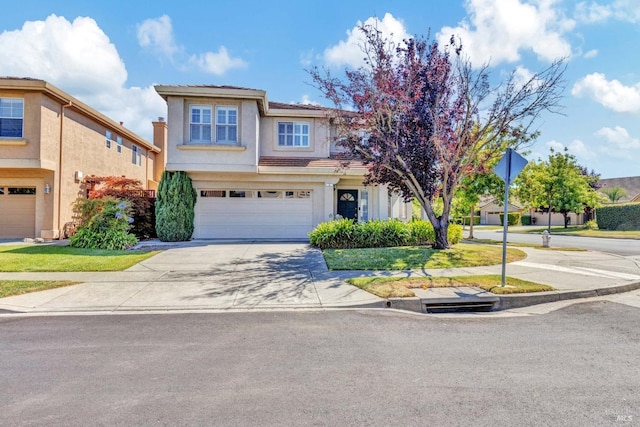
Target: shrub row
(513,218)
(345,234)
(619,217)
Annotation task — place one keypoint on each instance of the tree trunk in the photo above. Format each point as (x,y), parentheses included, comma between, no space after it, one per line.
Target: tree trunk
(442,238)
(565,215)
(471,222)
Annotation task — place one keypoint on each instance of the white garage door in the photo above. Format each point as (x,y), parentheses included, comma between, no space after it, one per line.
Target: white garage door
(253,214)
(17,212)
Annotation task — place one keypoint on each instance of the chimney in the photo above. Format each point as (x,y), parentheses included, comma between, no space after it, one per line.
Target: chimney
(160,141)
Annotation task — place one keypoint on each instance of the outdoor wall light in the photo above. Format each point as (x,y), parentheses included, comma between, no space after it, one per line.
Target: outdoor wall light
(47,189)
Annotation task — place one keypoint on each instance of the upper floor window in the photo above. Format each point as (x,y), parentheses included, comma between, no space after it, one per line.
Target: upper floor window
(11,117)
(293,134)
(136,155)
(200,123)
(107,141)
(119,144)
(226,125)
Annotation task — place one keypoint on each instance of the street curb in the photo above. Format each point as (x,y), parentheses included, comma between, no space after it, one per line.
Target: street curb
(516,301)
(506,302)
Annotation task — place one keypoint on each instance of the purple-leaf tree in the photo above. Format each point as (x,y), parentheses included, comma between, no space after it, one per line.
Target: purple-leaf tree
(422,119)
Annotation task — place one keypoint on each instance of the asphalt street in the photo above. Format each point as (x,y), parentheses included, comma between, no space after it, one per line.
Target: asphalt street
(575,366)
(623,247)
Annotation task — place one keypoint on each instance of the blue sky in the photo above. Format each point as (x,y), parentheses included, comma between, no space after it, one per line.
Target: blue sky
(110,54)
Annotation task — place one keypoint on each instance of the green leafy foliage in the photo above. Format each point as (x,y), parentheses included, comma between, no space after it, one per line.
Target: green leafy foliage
(175,204)
(104,224)
(125,188)
(513,218)
(619,217)
(525,219)
(590,225)
(346,234)
(557,184)
(614,194)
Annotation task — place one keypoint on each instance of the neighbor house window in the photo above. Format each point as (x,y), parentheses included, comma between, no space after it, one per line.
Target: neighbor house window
(136,155)
(227,125)
(107,141)
(293,134)
(11,117)
(119,144)
(200,123)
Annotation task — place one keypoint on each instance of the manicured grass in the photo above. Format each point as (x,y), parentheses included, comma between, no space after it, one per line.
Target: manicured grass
(583,232)
(18,287)
(522,245)
(34,258)
(417,257)
(390,287)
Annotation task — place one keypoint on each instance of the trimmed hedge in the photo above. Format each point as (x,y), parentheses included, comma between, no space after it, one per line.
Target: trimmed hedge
(619,217)
(465,220)
(513,218)
(526,219)
(346,234)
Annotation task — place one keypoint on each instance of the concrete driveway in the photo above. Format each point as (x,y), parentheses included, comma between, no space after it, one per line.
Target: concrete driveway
(202,275)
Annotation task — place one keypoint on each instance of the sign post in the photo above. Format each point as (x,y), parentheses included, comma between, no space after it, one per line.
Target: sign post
(507,169)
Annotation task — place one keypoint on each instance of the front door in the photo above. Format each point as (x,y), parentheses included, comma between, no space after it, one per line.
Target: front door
(348,204)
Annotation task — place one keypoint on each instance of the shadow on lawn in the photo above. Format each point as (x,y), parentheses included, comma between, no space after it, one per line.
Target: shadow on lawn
(47,249)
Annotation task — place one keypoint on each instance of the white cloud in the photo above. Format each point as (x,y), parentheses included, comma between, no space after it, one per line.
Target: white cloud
(498,30)
(349,52)
(217,63)
(576,147)
(157,35)
(593,12)
(619,138)
(79,58)
(591,54)
(612,94)
(306,100)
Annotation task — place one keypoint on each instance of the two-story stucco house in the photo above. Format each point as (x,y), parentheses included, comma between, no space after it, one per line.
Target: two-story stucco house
(49,140)
(263,169)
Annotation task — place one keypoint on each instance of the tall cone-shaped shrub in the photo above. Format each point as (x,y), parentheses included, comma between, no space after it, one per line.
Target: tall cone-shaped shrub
(175,201)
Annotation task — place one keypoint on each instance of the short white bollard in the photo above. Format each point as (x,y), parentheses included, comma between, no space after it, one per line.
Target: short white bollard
(546,237)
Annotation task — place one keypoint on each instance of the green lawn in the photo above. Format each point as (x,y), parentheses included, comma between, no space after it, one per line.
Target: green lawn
(18,287)
(583,232)
(394,287)
(34,258)
(521,245)
(417,257)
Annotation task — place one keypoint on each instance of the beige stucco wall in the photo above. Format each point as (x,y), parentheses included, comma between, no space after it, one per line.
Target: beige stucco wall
(182,155)
(319,138)
(37,160)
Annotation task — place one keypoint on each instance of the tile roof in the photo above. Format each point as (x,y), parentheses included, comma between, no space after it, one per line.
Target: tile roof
(306,162)
(630,183)
(283,106)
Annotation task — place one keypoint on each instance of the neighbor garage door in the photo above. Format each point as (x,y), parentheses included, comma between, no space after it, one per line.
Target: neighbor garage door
(17,212)
(248,214)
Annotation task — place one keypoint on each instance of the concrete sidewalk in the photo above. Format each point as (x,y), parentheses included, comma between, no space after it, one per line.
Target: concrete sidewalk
(214,276)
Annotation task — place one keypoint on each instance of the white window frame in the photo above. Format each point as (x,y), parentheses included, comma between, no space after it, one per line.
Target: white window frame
(295,137)
(201,124)
(225,125)
(118,144)
(107,142)
(136,155)
(11,111)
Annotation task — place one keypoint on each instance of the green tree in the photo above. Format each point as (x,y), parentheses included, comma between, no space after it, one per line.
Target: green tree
(429,118)
(175,204)
(556,185)
(614,193)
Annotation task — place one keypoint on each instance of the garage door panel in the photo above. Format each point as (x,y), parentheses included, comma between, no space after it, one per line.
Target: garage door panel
(224,217)
(17,215)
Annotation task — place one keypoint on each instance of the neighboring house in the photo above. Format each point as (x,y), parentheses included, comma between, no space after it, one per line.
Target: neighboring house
(490,211)
(49,140)
(264,169)
(631,185)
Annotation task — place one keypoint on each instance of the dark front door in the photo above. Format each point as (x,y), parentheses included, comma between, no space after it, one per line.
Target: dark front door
(348,204)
